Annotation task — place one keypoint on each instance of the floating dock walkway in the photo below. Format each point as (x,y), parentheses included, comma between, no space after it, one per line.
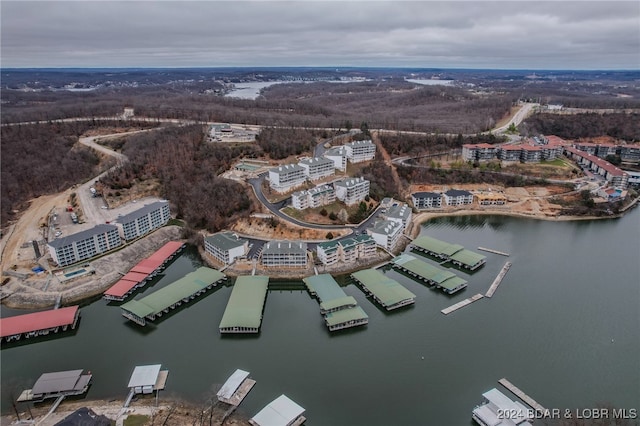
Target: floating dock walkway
(454,253)
(387,292)
(446,281)
(39,323)
(243,313)
(462,304)
(143,272)
(339,310)
(170,297)
(523,396)
(236,388)
(493,251)
(498,279)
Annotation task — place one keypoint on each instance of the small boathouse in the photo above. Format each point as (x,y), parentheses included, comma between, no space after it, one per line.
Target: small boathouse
(146,379)
(170,297)
(280,412)
(236,388)
(39,323)
(496,404)
(243,313)
(387,292)
(57,385)
(453,253)
(339,310)
(143,272)
(446,281)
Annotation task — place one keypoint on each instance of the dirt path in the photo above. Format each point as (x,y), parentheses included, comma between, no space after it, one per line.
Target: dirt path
(387,160)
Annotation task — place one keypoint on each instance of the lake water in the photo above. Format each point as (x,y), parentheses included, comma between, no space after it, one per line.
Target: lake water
(430,82)
(564,326)
(251,89)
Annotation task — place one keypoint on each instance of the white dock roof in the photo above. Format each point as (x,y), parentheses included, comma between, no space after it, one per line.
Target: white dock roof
(144,375)
(280,412)
(231,385)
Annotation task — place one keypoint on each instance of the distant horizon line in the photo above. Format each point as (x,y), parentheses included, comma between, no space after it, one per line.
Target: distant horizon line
(324,67)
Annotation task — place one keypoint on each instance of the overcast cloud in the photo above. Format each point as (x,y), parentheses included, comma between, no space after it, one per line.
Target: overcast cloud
(449,34)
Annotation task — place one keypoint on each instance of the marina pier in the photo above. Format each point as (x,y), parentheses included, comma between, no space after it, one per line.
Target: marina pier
(462,304)
(243,313)
(498,279)
(446,281)
(387,292)
(523,396)
(454,253)
(339,310)
(39,323)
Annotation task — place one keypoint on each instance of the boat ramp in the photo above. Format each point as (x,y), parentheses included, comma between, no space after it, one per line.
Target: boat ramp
(39,323)
(170,297)
(462,304)
(339,310)
(387,292)
(236,388)
(446,281)
(498,279)
(143,272)
(448,252)
(243,313)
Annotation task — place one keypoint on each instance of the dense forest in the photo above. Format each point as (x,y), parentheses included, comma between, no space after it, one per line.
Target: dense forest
(281,143)
(422,175)
(398,145)
(573,126)
(187,170)
(42,159)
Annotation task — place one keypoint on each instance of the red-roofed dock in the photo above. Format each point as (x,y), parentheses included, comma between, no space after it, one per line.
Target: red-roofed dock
(143,272)
(38,323)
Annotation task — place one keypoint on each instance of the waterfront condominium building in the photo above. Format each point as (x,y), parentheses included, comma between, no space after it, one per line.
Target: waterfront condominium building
(284,254)
(287,177)
(145,219)
(315,197)
(457,197)
(346,250)
(359,151)
(84,245)
(352,190)
(386,233)
(226,247)
(317,167)
(401,213)
(426,200)
(337,154)
(478,152)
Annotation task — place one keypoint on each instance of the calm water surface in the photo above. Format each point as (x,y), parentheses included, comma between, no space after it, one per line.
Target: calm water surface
(564,326)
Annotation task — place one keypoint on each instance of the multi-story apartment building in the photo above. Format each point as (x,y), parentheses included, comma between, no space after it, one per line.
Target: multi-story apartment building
(457,197)
(287,177)
(145,219)
(530,154)
(399,212)
(352,190)
(84,245)
(617,177)
(630,153)
(478,152)
(359,151)
(226,247)
(337,154)
(315,197)
(426,200)
(317,167)
(386,233)
(284,254)
(347,250)
(510,153)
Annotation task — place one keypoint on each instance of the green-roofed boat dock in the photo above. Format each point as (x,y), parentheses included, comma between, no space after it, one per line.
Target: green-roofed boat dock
(446,281)
(339,310)
(243,313)
(387,292)
(454,253)
(170,297)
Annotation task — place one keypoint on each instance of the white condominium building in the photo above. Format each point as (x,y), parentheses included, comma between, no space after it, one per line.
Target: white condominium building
(352,190)
(338,155)
(386,233)
(145,219)
(287,177)
(226,246)
(284,254)
(312,198)
(84,245)
(359,151)
(317,167)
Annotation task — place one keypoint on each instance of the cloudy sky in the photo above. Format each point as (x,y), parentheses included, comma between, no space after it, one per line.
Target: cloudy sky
(450,34)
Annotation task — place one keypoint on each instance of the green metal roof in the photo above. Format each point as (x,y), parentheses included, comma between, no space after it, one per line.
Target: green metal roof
(325,287)
(452,283)
(437,246)
(336,303)
(423,269)
(225,240)
(388,291)
(174,292)
(468,257)
(244,308)
(345,315)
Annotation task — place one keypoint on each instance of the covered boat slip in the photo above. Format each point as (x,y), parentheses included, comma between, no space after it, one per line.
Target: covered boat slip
(39,323)
(339,310)
(386,291)
(148,378)
(170,297)
(454,253)
(55,385)
(280,412)
(445,280)
(243,313)
(236,388)
(145,270)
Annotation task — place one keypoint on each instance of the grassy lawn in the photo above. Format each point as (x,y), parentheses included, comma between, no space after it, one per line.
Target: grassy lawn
(314,216)
(558,162)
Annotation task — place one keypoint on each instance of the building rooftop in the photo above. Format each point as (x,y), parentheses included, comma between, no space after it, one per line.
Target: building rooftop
(338,303)
(232,384)
(287,168)
(325,287)
(225,240)
(143,211)
(387,290)
(385,227)
(280,412)
(62,381)
(436,246)
(144,375)
(283,247)
(457,193)
(19,324)
(82,235)
(244,308)
(350,182)
(366,142)
(423,269)
(345,315)
(467,257)
(400,211)
(330,246)
(426,195)
(335,151)
(314,161)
